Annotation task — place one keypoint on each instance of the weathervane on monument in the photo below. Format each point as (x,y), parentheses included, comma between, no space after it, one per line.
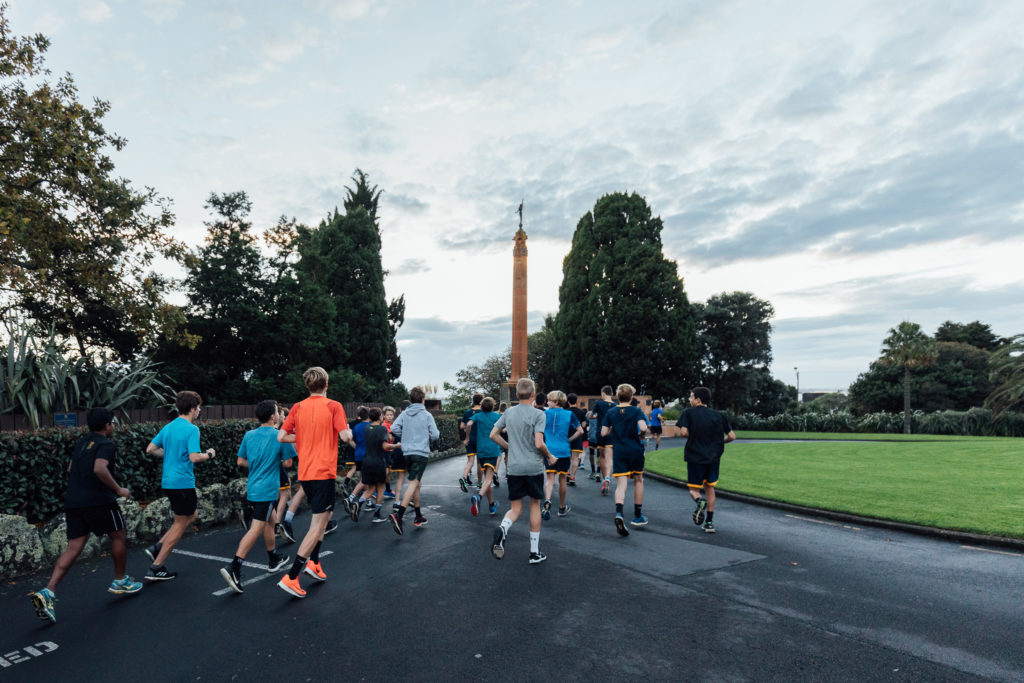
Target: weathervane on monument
(518,312)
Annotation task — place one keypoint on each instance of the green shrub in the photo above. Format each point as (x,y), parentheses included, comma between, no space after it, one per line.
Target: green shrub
(448,426)
(973,422)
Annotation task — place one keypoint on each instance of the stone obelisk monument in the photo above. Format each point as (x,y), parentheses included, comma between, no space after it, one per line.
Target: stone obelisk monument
(518,313)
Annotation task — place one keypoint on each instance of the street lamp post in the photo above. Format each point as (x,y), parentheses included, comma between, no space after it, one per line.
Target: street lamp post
(797,371)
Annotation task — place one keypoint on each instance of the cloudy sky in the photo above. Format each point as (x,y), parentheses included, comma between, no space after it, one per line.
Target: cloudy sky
(855,163)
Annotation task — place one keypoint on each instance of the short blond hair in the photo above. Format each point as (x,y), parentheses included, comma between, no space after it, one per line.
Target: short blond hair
(559,397)
(525,388)
(625,392)
(315,379)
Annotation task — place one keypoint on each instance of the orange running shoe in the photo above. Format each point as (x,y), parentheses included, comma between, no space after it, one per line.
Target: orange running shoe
(315,570)
(291,586)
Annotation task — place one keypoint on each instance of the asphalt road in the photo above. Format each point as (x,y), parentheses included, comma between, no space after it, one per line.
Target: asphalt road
(771,596)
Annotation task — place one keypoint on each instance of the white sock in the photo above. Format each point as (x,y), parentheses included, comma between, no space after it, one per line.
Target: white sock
(506,524)
(534,541)
(289,516)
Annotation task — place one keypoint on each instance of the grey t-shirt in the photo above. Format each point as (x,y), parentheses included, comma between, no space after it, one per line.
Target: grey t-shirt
(522,422)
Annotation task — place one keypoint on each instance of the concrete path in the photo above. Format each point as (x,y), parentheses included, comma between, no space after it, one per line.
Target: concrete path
(772,596)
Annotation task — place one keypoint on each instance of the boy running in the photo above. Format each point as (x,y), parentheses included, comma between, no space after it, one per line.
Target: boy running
(178,444)
(560,428)
(524,466)
(262,454)
(625,426)
(397,464)
(469,429)
(488,453)
(577,446)
(604,456)
(375,461)
(314,426)
(656,413)
(90,506)
(415,429)
(706,432)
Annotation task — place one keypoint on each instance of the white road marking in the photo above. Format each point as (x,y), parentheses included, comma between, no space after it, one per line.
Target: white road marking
(228,560)
(986,550)
(821,521)
(261,577)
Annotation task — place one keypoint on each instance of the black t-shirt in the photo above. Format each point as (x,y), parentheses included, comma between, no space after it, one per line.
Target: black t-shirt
(707,428)
(375,459)
(84,488)
(624,436)
(601,409)
(581,415)
(471,426)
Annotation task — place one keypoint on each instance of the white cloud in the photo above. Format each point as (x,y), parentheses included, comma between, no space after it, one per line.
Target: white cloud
(95,12)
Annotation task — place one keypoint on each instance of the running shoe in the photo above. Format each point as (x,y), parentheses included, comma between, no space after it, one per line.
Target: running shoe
(474,504)
(153,551)
(353,511)
(498,546)
(562,512)
(700,513)
(639,522)
(315,570)
(389,495)
(495,483)
(286,532)
(160,574)
(493,508)
(479,485)
(370,504)
(291,586)
(419,521)
(347,504)
(378,518)
(396,522)
(571,481)
(233,578)
(332,526)
(709,528)
(604,487)
(620,525)
(537,558)
(463,485)
(278,563)
(545,510)
(43,602)
(124,586)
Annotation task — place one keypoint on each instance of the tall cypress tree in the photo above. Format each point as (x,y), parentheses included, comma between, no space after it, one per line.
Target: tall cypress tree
(623,315)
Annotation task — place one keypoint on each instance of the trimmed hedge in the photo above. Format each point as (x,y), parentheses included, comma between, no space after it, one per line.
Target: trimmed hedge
(973,422)
(34,465)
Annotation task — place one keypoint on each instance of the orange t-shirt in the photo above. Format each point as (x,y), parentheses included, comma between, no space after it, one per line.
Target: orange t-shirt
(316,423)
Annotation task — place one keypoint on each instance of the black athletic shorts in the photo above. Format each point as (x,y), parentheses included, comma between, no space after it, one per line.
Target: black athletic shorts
(525,486)
(561,466)
(372,477)
(484,463)
(698,473)
(262,511)
(96,519)
(655,429)
(398,462)
(417,466)
(183,501)
(320,494)
(286,482)
(627,466)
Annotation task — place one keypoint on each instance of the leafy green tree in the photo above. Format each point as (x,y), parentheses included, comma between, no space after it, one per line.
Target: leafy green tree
(975,333)
(906,346)
(228,308)
(76,241)
(1007,366)
(623,315)
(733,334)
(834,402)
(541,351)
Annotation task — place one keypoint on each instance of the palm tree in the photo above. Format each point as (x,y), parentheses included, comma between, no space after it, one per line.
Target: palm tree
(907,346)
(1006,370)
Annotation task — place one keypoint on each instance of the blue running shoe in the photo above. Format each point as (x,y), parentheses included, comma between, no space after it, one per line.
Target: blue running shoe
(620,525)
(639,522)
(43,601)
(494,508)
(389,495)
(124,586)
(474,506)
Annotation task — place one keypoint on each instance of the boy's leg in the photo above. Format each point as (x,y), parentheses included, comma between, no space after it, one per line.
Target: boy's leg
(269,539)
(562,482)
(119,552)
(172,536)
(534,515)
(66,559)
(282,505)
(256,529)
(638,488)
(621,484)
(485,490)
(549,483)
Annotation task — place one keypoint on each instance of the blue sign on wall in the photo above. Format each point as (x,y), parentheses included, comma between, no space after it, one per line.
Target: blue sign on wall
(65,419)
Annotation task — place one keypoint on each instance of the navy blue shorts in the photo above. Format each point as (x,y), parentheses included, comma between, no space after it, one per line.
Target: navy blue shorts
(698,474)
(628,465)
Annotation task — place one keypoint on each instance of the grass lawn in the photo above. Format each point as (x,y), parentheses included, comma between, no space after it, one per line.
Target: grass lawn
(813,436)
(967,483)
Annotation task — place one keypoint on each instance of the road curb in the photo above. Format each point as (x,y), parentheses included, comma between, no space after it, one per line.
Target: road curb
(963,537)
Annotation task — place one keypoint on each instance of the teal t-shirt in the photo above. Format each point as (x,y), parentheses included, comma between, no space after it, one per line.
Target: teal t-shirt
(264,453)
(558,424)
(483,423)
(178,438)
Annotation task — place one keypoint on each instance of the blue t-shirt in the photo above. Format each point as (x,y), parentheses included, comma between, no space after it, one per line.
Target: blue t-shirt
(178,438)
(624,437)
(265,455)
(483,423)
(656,417)
(359,436)
(558,423)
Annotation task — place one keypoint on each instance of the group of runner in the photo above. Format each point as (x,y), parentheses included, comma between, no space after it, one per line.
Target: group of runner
(539,444)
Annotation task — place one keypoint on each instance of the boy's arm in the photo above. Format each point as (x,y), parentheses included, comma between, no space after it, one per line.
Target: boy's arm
(101,468)
(206,455)
(641,426)
(243,463)
(153,449)
(731,436)
(285,437)
(538,441)
(577,434)
(496,437)
(346,436)
(388,446)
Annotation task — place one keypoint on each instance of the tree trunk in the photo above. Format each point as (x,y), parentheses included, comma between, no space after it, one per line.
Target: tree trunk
(906,399)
